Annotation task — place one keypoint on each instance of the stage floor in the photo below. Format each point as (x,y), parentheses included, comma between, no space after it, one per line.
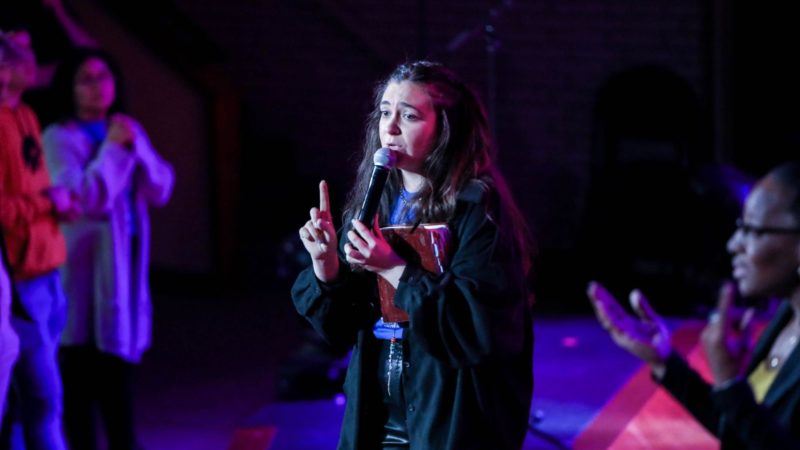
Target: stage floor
(206,378)
(576,370)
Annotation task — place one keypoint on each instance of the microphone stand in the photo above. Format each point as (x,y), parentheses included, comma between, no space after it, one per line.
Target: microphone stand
(533,420)
(492,44)
(488,30)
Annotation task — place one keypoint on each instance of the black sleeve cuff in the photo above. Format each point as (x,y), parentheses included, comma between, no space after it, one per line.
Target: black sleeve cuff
(730,395)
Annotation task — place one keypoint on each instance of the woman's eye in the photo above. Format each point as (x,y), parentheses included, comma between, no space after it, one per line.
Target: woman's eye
(410,116)
(384,113)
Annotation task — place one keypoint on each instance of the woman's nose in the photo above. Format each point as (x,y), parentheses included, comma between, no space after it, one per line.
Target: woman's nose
(735,242)
(392,127)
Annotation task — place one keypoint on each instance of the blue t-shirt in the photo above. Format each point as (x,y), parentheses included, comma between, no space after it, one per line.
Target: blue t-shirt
(402,212)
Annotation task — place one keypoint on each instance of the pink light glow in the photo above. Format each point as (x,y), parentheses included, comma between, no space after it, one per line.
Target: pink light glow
(569,342)
(339,399)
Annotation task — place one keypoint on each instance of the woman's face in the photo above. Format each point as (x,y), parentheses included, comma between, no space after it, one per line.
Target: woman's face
(766,246)
(94,88)
(407,124)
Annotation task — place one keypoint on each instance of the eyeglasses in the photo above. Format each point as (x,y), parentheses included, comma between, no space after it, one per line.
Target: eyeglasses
(753,230)
(101,77)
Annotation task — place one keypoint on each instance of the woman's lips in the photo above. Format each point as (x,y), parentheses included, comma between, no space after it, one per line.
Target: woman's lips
(739,271)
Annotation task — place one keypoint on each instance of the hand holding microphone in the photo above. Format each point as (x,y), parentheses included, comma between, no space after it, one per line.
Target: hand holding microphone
(367,247)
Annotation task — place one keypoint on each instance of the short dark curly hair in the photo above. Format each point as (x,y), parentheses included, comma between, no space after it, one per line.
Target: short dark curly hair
(788,174)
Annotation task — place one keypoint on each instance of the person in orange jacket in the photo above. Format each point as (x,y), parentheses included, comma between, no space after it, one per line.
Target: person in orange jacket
(30,209)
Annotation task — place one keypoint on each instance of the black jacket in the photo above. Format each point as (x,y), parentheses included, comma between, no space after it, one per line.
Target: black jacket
(732,413)
(469,341)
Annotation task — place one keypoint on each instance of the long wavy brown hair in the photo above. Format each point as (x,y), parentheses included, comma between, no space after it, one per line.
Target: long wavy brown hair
(462,152)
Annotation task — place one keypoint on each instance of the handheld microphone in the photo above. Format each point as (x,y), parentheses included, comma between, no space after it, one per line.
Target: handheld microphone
(384,161)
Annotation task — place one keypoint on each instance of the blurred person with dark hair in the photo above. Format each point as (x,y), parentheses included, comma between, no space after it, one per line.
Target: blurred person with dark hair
(457,373)
(106,158)
(30,208)
(754,399)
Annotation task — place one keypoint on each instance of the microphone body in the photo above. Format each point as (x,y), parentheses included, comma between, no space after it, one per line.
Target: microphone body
(384,161)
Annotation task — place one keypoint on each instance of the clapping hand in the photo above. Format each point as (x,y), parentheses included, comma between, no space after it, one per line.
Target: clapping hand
(121,130)
(319,238)
(645,336)
(726,338)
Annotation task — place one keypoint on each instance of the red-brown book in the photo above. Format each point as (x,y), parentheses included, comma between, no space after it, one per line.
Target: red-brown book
(425,245)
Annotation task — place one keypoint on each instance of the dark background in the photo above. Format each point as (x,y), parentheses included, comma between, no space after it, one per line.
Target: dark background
(627,129)
(629,132)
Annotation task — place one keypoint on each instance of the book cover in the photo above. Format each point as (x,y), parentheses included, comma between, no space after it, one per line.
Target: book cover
(424,245)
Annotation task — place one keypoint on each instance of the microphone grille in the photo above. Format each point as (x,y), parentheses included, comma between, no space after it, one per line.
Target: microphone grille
(384,157)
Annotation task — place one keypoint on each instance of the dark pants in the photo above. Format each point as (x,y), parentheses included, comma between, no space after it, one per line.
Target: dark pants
(390,376)
(97,382)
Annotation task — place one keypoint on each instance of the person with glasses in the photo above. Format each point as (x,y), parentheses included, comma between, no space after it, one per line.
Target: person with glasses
(753,401)
(106,157)
(30,209)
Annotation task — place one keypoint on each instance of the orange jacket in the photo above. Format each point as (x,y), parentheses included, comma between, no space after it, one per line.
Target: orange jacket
(34,242)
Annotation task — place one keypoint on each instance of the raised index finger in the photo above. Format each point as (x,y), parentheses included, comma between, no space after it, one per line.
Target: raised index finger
(324,202)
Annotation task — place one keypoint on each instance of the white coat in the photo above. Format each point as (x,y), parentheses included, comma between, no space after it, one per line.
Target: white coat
(105,279)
